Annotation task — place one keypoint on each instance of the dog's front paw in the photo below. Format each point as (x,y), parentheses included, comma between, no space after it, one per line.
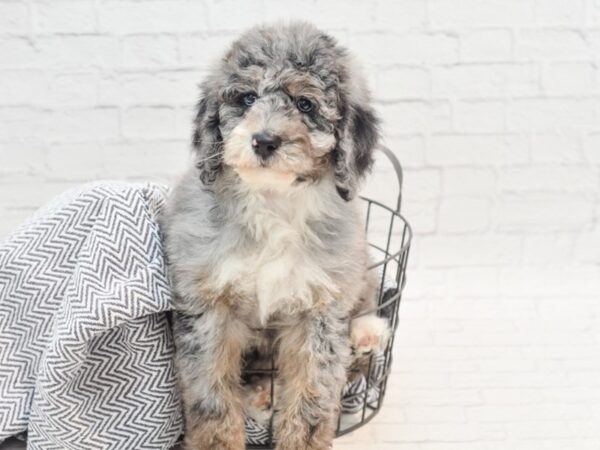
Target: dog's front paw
(369,334)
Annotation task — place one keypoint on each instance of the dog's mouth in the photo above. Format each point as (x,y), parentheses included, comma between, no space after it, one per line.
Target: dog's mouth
(264,176)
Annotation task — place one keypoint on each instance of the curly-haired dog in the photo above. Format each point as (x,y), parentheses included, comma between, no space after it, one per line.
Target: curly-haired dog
(263,230)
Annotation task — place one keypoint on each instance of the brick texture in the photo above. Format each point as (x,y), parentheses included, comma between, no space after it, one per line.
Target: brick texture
(492,106)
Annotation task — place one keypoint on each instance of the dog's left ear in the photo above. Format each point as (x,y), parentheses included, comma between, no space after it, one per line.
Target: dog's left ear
(207,139)
(357,137)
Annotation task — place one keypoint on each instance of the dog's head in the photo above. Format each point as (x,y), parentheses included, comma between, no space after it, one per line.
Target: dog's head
(286,106)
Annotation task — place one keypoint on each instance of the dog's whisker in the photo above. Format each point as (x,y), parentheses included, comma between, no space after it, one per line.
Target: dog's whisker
(216,155)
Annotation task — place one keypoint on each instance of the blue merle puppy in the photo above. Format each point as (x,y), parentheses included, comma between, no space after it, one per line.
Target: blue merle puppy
(266,245)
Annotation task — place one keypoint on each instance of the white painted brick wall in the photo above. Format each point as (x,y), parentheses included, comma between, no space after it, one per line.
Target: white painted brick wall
(493,107)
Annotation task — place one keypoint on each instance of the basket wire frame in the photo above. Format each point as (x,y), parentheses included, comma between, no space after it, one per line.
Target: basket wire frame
(390,258)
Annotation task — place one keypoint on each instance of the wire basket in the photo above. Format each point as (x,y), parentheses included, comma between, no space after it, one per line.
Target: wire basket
(389,237)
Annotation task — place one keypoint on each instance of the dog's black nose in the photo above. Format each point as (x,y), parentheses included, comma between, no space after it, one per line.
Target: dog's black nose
(265,144)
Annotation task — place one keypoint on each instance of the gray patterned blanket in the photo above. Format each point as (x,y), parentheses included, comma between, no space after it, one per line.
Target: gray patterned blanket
(85,342)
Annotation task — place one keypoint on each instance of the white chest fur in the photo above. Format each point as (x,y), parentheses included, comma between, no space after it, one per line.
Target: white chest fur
(277,264)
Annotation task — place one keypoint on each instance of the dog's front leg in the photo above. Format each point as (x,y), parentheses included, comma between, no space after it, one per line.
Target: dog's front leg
(313,355)
(208,359)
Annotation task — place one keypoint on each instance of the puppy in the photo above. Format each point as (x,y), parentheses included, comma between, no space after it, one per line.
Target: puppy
(263,236)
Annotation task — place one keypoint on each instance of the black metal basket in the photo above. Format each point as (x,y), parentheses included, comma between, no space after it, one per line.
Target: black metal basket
(389,240)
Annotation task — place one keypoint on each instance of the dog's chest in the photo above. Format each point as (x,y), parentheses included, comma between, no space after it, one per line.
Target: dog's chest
(277,266)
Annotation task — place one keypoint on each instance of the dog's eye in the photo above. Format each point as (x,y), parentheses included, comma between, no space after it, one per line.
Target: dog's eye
(304,104)
(248,99)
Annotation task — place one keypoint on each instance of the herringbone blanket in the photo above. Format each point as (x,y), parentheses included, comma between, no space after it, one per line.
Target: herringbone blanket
(85,344)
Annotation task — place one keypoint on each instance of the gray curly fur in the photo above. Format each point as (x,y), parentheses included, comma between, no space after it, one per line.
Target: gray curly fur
(276,269)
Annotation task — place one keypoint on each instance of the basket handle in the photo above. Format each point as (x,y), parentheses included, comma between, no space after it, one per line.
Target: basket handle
(397,168)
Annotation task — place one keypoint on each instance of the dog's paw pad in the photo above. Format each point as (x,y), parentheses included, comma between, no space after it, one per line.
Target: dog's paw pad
(369,334)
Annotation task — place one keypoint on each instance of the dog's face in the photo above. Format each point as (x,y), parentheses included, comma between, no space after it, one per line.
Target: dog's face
(285,107)
(279,119)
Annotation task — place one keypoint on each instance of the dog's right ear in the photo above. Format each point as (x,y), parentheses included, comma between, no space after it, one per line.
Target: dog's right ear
(359,135)
(207,139)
